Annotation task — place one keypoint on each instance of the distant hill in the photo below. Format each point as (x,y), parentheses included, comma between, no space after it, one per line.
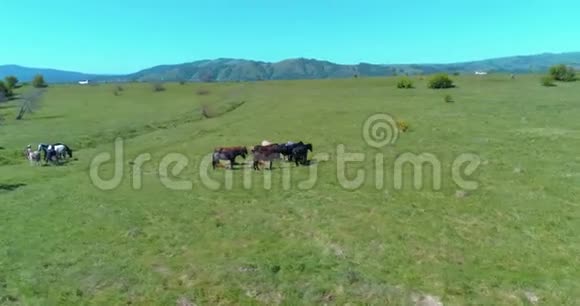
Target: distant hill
(224,69)
(26,74)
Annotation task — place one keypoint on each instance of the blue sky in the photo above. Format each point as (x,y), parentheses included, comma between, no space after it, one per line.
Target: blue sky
(122,36)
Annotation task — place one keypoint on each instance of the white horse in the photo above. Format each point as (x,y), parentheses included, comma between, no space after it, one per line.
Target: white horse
(55,152)
(62,150)
(32,156)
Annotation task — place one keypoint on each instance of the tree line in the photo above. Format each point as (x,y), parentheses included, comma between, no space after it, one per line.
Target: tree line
(29,100)
(10,83)
(560,73)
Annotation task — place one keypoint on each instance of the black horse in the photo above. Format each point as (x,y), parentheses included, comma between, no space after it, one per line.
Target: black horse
(286,149)
(228,153)
(49,152)
(300,153)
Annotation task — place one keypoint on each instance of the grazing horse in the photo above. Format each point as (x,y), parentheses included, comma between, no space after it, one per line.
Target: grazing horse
(32,156)
(266,153)
(62,150)
(300,153)
(228,153)
(286,149)
(49,152)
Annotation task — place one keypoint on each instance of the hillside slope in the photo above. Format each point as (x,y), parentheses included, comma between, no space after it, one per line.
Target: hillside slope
(26,74)
(225,69)
(302,68)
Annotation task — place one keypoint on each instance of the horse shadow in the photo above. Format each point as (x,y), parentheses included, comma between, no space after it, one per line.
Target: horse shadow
(49,117)
(7,106)
(233,167)
(241,165)
(307,163)
(59,163)
(11,187)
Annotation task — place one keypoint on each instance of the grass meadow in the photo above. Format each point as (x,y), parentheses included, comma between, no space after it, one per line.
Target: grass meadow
(514,239)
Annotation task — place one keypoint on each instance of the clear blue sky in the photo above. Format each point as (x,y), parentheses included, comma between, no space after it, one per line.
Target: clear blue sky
(121,36)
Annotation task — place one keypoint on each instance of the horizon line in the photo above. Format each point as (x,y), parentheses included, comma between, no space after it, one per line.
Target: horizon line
(294,58)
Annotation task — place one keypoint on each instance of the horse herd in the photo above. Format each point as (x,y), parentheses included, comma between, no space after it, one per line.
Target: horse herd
(54,153)
(296,152)
(265,152)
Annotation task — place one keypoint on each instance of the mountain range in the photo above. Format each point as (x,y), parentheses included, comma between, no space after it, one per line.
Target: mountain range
(224,69)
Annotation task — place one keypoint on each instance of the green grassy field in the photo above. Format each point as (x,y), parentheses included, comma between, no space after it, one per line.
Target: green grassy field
(63,241)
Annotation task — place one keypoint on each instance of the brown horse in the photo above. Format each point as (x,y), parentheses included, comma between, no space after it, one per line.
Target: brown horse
(266,153)
(228,153)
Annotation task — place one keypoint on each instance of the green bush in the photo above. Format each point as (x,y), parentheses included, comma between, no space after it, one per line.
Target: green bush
(5,90)
(563,73)
(547,81)
(11,81)
(118,90)
(402,125)
(448,99)
(440,81)
(38,81)
(158,87)
(405,83)
(202,92)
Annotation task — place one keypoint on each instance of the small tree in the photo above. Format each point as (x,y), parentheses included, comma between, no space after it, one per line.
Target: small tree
(440,81)
(38,81)
(118,90)
(157,87)
(405,83)
(30,102)
(202,92)
(5,90)
(11,81)
(563,73)
(547,81)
